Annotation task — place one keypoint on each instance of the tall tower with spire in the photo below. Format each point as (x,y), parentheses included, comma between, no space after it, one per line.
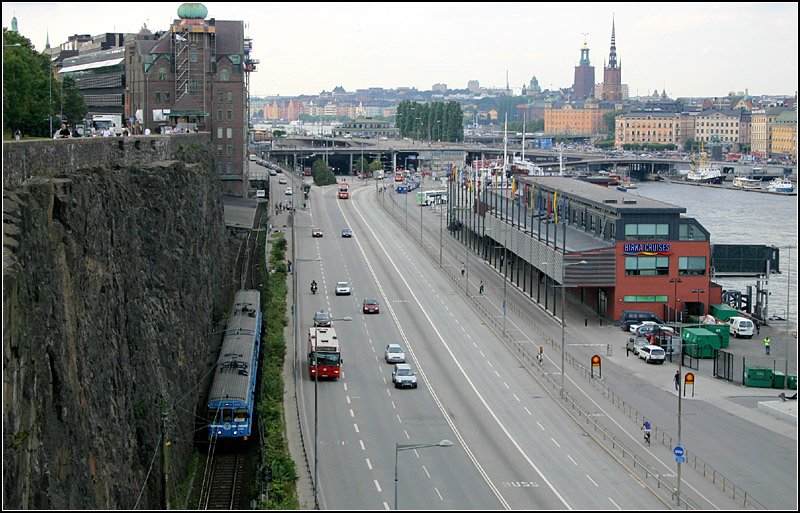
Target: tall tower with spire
(612,73)
(583,86)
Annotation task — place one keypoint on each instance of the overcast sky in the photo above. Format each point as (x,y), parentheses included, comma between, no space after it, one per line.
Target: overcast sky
(691,49)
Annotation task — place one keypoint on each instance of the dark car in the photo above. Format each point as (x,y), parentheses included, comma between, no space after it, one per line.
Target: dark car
(371,306)
(322,318)
(347,232)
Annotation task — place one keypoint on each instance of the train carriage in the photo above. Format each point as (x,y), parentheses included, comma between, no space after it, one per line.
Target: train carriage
(232,396)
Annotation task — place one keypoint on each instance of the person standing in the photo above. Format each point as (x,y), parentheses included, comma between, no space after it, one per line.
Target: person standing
(64,133)
(463,268)
(480,289)
(677,380)
(766,344)
(17,134)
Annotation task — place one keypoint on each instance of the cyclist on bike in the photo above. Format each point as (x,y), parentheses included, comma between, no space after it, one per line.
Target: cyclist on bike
(646,429)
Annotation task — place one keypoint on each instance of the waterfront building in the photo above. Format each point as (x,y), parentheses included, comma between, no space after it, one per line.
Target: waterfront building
(367,128)
(653,127)
(583,85)
(195,76)
(640,253)
(784,134)
(728,126)
(576,119)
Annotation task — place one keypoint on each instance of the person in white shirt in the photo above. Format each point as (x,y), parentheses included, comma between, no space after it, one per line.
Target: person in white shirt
(146,131)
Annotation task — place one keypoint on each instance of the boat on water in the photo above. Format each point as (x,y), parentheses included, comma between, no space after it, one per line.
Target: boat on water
(705,172)
(742,182)
(526,167)
(780,185)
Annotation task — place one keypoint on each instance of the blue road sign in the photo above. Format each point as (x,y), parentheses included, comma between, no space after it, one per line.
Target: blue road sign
(678,450)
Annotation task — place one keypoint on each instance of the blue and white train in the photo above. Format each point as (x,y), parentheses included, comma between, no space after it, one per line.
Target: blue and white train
(232,396)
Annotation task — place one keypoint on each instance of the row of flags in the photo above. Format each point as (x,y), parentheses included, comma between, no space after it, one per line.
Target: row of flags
(553,205)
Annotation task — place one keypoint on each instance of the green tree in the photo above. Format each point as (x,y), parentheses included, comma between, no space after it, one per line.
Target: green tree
(322,173)
(74,105)
(26,88)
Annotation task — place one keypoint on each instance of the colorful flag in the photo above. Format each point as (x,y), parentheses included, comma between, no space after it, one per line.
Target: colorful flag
(555,204)
(513,186)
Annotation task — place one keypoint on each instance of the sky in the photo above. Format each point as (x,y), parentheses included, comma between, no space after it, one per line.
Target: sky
(688,49)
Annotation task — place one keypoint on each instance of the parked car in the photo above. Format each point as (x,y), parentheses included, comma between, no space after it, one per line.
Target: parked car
(342,288)
(634,344)
(403,376)
(371,305)
(637,317)
(394,354)
(322,319)
(741,327)
(316,232)
(347,232)
(646,329)
(651,354)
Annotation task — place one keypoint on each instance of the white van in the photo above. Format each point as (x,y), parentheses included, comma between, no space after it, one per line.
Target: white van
(741,327)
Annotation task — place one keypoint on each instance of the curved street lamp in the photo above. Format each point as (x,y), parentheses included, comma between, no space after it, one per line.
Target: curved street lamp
(405,447)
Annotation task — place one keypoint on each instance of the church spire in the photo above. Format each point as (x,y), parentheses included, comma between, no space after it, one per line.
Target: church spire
(612,56)
(47,44)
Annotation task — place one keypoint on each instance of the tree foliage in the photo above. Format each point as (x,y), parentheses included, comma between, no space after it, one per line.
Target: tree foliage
(74,105)
(437,121)
(27,96)
(322,173)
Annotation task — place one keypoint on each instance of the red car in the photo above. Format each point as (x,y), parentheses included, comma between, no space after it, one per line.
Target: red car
(371,306)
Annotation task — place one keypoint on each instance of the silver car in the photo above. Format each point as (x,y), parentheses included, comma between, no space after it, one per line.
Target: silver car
(394,354)
(403,376)
(342,288)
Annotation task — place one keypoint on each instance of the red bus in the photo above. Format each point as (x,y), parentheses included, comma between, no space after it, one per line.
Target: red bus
(344,192)
(399,176)
(323,353)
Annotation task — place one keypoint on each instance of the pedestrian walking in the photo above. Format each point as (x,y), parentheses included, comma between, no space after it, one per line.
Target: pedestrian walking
(480,289)
(17,134)
(766,344)
(463,268)
(677,380)
(758,327)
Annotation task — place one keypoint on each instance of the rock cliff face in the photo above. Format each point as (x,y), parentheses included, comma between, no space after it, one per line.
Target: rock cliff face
(111,278)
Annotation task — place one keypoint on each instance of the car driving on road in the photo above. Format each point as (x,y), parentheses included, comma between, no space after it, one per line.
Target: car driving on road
(403,376)
(347,232)
(394,354)
(371,306)
(316,232)
(342,288)
(322,319)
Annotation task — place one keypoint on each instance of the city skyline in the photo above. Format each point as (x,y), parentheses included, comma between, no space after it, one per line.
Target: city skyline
(706,49)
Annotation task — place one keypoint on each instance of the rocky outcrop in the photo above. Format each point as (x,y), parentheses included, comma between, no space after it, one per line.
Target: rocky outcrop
(110,280)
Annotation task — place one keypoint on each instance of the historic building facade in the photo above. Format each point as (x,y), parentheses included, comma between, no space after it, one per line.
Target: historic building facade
(612,73)
(583,85)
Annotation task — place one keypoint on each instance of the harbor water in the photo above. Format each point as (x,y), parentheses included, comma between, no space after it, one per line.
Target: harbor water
(742,217)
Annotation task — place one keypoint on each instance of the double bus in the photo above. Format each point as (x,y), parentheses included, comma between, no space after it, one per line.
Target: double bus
(434,197)
(324,356)
(344,190)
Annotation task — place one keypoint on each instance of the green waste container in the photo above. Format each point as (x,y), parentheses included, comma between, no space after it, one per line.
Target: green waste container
(791,382)
(777,379)
(757,377)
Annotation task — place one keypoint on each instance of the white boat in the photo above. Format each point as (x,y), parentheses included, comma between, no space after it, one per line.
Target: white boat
(780,185)
(526,167)
(746,183)
(705,172)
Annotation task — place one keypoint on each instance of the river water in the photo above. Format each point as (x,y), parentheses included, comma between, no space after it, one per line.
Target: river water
(742,217)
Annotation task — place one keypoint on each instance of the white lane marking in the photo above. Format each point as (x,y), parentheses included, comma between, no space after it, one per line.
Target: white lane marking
(426,471)
(527,410)
(457,363)
(592,480)
(399,419)
(393,405)
(573,461)
(541,426)
(517,398)
(614,503)
(369,464)
(361,442)
(347,398)
(356,426)
(438,493)
(352,413)
(378,486)
(554,441)
(506,384)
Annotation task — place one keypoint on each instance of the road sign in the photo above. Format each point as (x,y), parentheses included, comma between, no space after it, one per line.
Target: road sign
(678,450)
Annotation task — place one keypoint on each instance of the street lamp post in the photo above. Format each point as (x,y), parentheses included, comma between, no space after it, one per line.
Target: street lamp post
(405,447)
(788,297)
(564,317)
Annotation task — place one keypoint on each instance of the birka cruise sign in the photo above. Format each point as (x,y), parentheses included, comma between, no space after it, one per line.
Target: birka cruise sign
(650,249)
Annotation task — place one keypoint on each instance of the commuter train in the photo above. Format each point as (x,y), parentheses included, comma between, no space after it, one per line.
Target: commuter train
(232,396)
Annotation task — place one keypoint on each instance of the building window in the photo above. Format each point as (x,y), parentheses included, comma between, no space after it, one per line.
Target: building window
(690,231)
(162,73)
(230,96)
(193,53)
(224,74)
(193,84)
(167,96)
(230,168)
(220,167)
(646,231)
(158,96)
(230,150)
(230,133)
(644,299)
(691,266)
(219,114)
(221,96)
(220,134)
(646,266)
(219,150)
(230,115)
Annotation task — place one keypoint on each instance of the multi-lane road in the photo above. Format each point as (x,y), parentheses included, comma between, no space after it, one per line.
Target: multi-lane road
(513,447)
